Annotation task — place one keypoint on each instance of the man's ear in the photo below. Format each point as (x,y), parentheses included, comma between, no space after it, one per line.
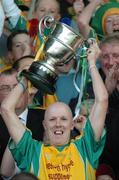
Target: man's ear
(44,125)
(72,126)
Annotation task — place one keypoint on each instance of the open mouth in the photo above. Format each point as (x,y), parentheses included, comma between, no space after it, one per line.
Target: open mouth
(116,30)
(58,132)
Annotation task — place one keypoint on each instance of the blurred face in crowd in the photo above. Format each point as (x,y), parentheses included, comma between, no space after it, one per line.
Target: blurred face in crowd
(58,124)
(85,110)
(47,7)
(20,44)
(112,24)
(66,67)
(78,6)
(7,83)
(109,56)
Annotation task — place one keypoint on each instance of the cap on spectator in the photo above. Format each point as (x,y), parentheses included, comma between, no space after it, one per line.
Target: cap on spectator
(98,19)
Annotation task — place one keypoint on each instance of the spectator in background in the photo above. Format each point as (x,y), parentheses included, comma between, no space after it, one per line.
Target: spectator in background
(24,6)
(74,8)
(102,16)
(110,73)
(18,21)
(66,78)
(18,45)
(78,6)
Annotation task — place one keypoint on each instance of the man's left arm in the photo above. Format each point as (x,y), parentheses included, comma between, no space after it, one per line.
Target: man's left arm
(99,110)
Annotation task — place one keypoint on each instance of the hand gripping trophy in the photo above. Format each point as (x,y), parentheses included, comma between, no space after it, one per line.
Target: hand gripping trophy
(59,47)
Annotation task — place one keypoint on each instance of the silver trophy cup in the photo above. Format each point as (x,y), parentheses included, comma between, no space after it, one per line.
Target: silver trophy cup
(60,47)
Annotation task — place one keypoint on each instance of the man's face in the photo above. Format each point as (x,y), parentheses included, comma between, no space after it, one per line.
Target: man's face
(112,24)
(58,124)
(19,44)
(7,83)
(47,7)
(109,56)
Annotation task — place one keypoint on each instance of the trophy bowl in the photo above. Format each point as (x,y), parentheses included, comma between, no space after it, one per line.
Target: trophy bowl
(42,75)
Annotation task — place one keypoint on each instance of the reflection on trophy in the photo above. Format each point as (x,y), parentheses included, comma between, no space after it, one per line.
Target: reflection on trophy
(60,47)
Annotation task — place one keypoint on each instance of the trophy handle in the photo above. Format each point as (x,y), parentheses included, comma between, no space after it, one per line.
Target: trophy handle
(45,22)
(48,21)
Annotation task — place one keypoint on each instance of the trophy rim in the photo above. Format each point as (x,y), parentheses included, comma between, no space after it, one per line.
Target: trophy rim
(70,28)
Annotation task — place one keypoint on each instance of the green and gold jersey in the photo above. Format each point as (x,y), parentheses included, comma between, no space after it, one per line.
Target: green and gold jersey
(77,160)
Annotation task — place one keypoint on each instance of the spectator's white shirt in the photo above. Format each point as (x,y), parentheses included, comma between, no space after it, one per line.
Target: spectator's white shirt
(2,19)
(11,11)
(23,116)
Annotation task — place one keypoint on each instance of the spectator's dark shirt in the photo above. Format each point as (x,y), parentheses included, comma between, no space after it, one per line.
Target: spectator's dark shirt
(111,151)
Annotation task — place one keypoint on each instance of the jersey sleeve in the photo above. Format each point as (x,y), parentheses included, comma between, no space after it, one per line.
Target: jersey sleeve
(89,148)
(26,152)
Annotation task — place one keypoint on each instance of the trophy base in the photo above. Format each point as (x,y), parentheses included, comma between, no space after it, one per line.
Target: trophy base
(39,82)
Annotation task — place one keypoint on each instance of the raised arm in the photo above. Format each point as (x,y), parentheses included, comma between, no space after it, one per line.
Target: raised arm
(99,110)
(15,127)
(11,11)
(84,18)
(2,19)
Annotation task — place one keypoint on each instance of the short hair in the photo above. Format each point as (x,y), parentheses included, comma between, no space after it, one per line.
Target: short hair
(24,176)
(11,37)
(17,62)
(112,38)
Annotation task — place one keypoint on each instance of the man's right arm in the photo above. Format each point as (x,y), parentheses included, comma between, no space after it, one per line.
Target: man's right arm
(15,127)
